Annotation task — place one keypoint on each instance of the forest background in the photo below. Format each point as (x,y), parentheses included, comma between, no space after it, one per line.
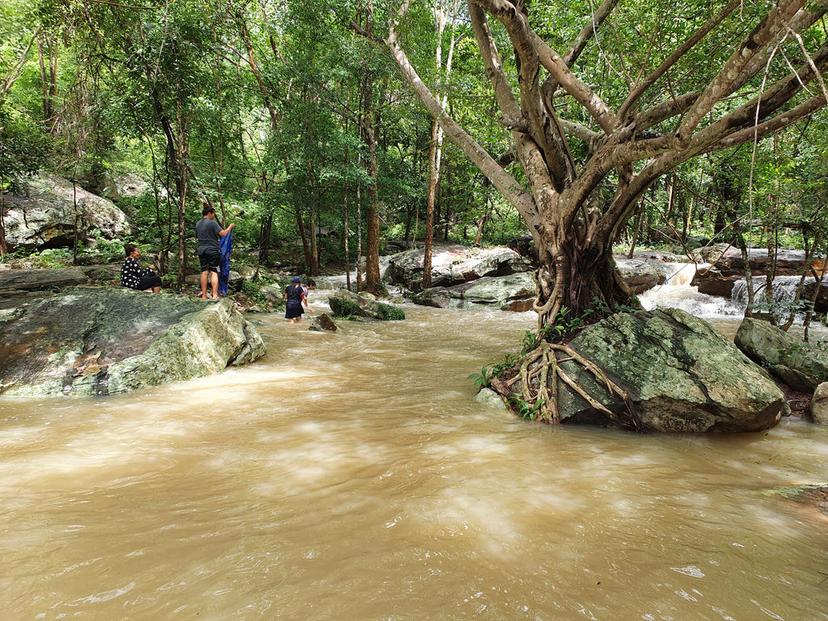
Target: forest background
(289,120)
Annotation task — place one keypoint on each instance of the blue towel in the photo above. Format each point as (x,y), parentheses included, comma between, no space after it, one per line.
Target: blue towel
(226,249)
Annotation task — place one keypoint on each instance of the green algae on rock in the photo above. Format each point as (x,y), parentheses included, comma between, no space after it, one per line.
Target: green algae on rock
(96,341)
(347,304)
(678,374)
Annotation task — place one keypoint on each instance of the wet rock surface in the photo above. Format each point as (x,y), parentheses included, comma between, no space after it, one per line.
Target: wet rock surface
(819,404)
(815,494)
(110,340)
(679,374)
(640,274)
(800,365)
(38,280)
(323,323)
(347,304)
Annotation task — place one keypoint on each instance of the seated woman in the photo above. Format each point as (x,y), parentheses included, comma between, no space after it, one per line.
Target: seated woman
(133,276)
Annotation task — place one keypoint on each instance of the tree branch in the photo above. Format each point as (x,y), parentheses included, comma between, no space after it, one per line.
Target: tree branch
(771,126)
(671,60)
(502,180)
(521,34)
(589,30)
(727,80)
(5,87)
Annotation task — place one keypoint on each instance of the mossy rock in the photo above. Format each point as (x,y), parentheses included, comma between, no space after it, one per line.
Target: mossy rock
(348,305)
(801,365)
(94,341)
(679,376)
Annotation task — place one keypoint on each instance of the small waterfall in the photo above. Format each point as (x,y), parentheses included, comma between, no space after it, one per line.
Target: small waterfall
(783,290)
(679,274)
(677,292)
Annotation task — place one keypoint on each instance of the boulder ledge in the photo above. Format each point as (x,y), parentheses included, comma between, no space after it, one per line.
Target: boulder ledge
(98,341)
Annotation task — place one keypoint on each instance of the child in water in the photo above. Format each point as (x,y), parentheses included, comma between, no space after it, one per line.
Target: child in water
(296,296)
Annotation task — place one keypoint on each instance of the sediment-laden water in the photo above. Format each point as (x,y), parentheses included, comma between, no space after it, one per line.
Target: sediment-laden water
(351,476)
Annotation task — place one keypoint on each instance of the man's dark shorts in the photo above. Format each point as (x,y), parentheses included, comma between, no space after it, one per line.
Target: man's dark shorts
(209,261)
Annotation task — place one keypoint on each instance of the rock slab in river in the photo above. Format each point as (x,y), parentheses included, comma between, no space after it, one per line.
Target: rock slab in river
(345,303)
(452,265)
(800,365)
(111,340)
(489,397)
(323,323)
(45,216)
(681,376)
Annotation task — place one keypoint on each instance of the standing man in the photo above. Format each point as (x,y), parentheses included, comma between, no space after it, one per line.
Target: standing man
(208,232)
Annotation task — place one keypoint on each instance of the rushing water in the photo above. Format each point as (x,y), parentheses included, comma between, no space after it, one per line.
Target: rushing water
(351,476)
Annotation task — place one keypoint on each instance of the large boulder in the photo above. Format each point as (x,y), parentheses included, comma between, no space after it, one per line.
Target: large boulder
(800,365)
(347,304)
(126,185)
(490,291)
(787,262)
(679,375)
(452,265)
(640,274)
(710,280)
(110,340)
(45,215)
(726,271)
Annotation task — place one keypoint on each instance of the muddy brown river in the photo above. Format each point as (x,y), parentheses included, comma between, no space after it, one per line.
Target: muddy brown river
(351,476)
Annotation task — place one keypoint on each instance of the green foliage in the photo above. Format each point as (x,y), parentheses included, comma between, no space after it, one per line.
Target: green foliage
(388,312)
(252,288)
(527,411)
(484,378)
(110,250)
(51,258)
(344,308)
(23,147)
(126,76)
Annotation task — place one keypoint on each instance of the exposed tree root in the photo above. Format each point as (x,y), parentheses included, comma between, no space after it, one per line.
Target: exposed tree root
(540,375)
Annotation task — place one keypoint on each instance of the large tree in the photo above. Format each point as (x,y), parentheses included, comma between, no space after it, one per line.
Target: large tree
(585,160)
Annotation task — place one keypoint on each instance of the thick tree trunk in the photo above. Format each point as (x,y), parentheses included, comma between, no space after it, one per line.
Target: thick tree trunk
(3,247)
(478,238)
(48,64)
(369,130)
(372,273)
(579,279)
(181,189)
(359,238)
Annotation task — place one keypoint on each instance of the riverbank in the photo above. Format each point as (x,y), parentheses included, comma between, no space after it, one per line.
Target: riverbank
(351,475)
